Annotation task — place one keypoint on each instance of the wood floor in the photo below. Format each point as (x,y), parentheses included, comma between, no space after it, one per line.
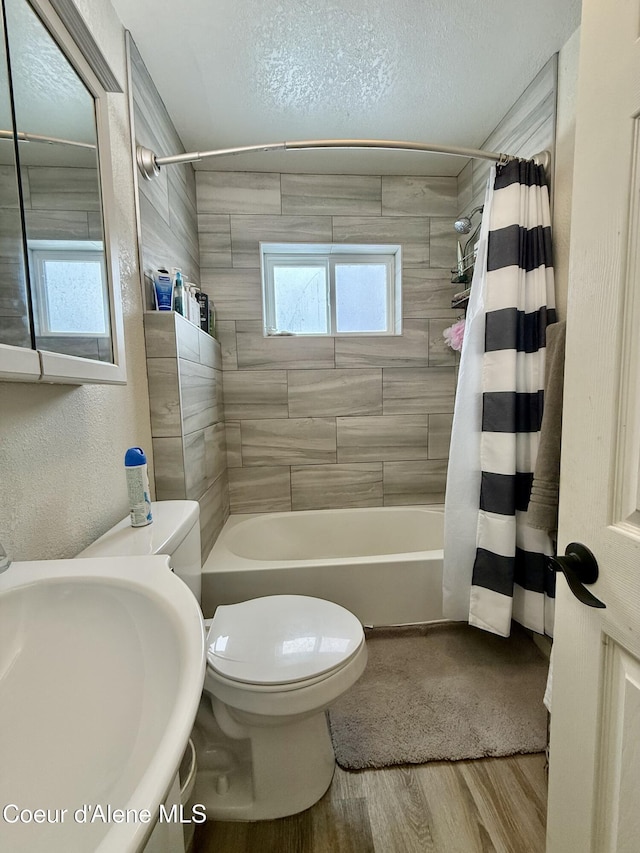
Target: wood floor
(493,805)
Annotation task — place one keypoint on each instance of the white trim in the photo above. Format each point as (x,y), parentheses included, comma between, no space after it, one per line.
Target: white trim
(330,255)
(57,367)
(293,260)
(37,259)
(19,364)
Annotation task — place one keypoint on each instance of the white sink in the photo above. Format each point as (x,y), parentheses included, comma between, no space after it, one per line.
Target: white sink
(101,669)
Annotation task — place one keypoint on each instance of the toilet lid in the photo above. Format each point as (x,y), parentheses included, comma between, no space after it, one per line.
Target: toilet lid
(280,639)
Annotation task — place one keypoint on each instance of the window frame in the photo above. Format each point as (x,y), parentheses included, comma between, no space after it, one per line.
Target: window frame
(329,256)
(50,250)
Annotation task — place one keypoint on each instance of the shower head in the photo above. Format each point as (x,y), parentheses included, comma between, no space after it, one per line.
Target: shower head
(463,225)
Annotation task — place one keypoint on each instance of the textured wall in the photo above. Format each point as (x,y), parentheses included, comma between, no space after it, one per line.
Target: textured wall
(62,447)
(332,422)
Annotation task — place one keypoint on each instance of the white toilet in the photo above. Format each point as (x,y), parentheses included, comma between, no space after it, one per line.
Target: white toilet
(274,665)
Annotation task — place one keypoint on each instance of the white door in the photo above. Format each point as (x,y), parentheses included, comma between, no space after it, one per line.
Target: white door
(594,784)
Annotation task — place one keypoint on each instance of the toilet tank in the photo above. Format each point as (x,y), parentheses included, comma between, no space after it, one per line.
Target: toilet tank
(174,531)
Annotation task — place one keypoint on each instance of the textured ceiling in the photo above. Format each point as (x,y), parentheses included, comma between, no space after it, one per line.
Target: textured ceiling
(243,72)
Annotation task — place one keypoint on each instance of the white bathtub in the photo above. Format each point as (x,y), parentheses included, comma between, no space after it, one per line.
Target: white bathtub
(383,563)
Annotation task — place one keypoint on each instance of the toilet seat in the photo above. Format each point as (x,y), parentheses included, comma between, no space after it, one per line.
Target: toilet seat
(278,687)
(281,642)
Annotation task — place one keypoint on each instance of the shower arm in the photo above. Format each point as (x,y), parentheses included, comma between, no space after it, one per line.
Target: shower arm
(150,163)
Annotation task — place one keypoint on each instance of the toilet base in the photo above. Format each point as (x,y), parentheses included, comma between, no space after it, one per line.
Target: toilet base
(277,771)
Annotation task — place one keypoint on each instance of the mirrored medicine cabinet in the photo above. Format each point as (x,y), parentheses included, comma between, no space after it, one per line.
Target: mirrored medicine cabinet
(60,311)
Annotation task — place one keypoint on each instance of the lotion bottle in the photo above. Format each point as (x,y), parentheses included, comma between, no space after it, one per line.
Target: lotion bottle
(178,292)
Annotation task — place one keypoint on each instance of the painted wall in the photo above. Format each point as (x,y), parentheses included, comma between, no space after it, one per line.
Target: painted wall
(563,172)
(62,447)
(332,422)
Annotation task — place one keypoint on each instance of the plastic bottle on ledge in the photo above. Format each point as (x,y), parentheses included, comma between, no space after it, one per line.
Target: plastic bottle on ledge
(212,319)
(203,302)
(193,306)
(163,290)
(196,305)
(135,463)
(178,292)
(187,300)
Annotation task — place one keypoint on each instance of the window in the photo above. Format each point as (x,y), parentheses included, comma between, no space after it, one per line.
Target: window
(71,284)
(338,289)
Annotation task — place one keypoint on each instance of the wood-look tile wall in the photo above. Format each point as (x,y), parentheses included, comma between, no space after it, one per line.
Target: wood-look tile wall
(167,205)
(313,422)
(332,422)
(184,364)
(184,367)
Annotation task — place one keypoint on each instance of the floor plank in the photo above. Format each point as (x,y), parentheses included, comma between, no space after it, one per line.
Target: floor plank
(493,805)
(456,824)
(508,805)
(341,825)
(398,811)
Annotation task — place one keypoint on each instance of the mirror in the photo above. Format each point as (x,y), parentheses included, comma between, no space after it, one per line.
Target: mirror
(15,320)
(55,294)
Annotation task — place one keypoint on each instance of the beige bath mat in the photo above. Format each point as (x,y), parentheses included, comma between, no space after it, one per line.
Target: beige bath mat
(441,693)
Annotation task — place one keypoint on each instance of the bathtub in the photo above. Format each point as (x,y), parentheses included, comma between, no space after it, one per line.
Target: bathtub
(384,563)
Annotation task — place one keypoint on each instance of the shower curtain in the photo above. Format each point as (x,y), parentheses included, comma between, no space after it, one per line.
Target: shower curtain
(495,566)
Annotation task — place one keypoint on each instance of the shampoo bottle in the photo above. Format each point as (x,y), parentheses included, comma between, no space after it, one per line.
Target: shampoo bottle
(163,290)
(193,309)
(187,300)
(195,306)
(203,302)
(135,463)
(212,319)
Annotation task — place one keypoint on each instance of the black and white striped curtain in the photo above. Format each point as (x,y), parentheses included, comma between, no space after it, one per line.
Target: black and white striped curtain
(510,575)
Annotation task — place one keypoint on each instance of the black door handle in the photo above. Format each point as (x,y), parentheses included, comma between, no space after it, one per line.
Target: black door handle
(579,567)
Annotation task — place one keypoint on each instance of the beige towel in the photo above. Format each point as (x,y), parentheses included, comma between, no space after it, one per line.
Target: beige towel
(543,504)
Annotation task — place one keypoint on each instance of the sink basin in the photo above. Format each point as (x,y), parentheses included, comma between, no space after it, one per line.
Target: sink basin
(101,670)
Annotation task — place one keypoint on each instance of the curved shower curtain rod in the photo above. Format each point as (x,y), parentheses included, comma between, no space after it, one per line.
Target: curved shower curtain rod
(149,163)
(21,136)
